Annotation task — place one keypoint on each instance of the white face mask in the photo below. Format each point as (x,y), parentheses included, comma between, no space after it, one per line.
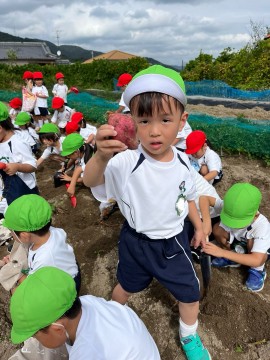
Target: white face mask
(67,335)
(15,236)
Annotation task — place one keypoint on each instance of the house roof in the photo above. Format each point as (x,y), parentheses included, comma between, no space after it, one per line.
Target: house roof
(38,51)
(112,55)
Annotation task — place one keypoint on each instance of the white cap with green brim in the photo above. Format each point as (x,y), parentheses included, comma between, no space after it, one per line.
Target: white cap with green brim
(157,78)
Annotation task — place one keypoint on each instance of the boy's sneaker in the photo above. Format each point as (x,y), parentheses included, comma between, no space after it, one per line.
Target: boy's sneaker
(223,263)
(194,349)
(255,280)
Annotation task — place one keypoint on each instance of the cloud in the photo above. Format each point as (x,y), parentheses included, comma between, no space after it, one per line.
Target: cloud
(169,31)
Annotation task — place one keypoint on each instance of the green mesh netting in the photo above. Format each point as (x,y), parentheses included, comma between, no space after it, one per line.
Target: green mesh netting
(92,107)
(234,134)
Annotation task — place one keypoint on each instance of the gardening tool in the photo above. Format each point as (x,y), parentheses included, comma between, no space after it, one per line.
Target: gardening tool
(3,165)
(205,262)
(73,199)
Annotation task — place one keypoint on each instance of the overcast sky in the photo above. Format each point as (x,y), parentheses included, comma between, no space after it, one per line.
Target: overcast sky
(170,31)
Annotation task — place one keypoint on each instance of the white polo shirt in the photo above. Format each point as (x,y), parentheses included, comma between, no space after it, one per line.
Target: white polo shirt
(60,91)
(259,230)
(148,195)
(16,150)
(211,159)
(62,118)
(53,149)
(55,252)
(110,331)
(182,135)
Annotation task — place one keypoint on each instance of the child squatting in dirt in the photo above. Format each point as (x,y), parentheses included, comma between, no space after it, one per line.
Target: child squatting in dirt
(243,233)
(89,326)
(155,190)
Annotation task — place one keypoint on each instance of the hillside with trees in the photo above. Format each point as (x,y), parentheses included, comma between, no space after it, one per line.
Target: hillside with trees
(246,69)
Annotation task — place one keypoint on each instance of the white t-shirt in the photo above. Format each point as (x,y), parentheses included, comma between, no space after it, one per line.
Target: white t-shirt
(110,331)
(148,196)
(40,102)
(61,118)
(55,252)
(34,134)
(204,188)
(19,152)
(25,134)
(60,91)
(53,149)
(211,159)
(182,135)
(87,131)
(122,103)
(259,230)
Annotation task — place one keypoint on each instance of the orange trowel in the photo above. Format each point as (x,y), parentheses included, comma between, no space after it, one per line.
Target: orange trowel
(73,198)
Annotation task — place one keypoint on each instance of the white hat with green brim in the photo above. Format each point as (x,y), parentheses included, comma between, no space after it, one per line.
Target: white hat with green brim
(157,78)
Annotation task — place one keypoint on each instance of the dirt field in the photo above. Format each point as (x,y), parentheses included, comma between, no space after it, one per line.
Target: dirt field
(234,323)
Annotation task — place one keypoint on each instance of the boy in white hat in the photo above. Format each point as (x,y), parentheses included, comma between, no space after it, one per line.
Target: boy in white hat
(155,190)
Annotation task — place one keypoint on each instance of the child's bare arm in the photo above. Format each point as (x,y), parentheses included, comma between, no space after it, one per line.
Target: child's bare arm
(199,237)
(75,178)
(40,161)
(204,204)
(253,259)
(106,148)
(12,168)
(211,175)
(90,139)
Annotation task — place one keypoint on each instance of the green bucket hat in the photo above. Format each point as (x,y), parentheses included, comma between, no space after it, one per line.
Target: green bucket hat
(71,143)
(41,299)
(240,204)
(3,112)
(49,128)
(157,78)
(27,213)
(22,118)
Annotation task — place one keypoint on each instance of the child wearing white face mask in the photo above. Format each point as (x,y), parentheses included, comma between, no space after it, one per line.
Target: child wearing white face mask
(29,218)
(89,326)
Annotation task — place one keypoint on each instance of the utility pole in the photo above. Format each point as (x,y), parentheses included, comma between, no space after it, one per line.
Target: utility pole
(58,37)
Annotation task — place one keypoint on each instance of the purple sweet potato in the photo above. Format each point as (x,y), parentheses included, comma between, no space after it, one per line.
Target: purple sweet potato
(125,127)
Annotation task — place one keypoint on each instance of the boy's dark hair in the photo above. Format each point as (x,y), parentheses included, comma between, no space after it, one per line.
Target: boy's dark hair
(70,313)
(48,136)
(87,150)
(39,232)
(82,123)
(7,125)
(74,310)
(146,103)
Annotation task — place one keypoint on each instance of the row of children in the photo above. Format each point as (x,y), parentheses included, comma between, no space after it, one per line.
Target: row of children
(153,241)
(35,96)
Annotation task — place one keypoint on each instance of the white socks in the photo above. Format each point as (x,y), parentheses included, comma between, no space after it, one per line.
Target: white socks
(186,330)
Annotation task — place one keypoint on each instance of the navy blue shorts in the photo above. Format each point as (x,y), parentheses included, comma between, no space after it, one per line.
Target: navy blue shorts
(168,260)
